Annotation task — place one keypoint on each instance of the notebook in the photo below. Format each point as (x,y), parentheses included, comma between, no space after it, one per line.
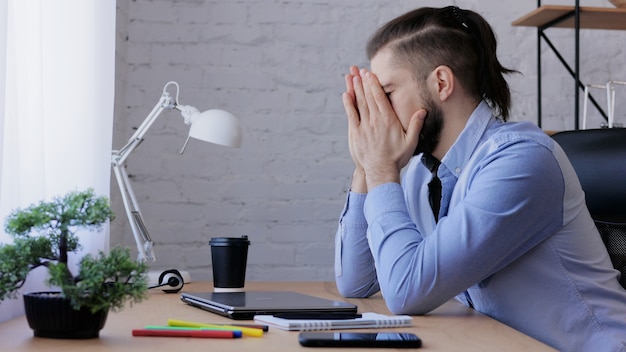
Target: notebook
(368,320)
(245,305)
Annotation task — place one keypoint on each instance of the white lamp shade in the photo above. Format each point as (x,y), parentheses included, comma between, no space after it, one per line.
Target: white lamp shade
(215,126)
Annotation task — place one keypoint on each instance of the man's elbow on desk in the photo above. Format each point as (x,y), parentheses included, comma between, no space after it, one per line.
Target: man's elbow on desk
(398,307)
(356,291)
(410,303)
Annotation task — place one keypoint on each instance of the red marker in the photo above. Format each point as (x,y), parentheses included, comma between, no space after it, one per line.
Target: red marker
(224,334)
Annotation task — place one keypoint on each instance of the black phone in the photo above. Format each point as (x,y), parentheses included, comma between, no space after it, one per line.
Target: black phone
(359,339)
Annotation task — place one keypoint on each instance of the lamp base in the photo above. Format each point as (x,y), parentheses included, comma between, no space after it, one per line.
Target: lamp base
(153,277)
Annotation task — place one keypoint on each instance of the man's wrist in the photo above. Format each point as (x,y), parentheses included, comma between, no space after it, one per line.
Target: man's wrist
(374,179)
(359,184)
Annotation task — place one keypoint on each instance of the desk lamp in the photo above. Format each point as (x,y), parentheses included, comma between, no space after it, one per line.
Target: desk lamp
(215,126)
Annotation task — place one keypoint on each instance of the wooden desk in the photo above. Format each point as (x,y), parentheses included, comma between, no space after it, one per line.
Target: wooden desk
(451,327)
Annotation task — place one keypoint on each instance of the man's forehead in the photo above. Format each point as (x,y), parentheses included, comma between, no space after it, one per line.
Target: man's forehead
(387,71)
(381,61)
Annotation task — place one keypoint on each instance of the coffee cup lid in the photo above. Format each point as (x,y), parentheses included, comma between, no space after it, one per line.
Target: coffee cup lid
(229,241)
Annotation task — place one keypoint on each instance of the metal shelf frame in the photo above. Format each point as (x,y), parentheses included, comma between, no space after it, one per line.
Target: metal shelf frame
(574,72)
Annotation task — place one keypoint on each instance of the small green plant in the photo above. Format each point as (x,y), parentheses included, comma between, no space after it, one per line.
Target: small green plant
(43,235)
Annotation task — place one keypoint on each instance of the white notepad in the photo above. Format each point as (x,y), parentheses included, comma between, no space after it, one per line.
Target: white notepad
(368,320)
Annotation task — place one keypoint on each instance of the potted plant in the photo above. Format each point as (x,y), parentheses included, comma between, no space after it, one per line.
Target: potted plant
(43,236)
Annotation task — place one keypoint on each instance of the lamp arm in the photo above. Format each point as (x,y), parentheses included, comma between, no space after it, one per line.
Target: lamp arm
(143,240)
(118,160)
(165,102)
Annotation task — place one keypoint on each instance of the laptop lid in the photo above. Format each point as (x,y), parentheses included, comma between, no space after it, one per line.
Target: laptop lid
(245,305)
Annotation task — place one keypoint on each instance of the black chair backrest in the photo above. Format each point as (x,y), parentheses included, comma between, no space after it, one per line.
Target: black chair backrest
(599,158)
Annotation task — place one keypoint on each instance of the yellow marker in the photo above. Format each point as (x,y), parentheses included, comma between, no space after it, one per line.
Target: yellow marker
(245,331)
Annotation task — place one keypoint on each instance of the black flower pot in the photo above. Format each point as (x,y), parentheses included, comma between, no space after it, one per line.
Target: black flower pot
(50,315)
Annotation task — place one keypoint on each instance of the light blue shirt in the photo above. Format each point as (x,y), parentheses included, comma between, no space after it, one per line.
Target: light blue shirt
(514,238)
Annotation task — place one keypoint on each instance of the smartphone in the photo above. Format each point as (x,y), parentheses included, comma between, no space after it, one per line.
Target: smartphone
(359,339)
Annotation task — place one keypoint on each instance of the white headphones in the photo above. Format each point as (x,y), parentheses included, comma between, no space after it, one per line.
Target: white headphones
(171,278)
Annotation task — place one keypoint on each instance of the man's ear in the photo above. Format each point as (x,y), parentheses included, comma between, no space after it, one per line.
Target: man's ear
(445,82)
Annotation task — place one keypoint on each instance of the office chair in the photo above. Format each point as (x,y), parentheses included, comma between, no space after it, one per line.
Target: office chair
(599,158)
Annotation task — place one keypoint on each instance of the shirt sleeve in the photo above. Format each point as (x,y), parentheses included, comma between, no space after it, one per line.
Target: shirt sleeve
(511,201)
(355,273)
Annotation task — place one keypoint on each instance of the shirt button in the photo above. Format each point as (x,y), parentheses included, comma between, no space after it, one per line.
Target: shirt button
(457,170)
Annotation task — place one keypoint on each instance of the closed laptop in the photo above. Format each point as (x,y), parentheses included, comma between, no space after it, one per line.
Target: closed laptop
(245,305)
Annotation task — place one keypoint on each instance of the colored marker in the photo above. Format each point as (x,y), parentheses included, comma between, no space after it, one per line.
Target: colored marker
(167,327)
(245,330)
(223,334)
(217,327)
(252,326)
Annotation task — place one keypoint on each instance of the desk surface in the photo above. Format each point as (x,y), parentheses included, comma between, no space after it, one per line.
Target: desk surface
(452,327)
(590,17)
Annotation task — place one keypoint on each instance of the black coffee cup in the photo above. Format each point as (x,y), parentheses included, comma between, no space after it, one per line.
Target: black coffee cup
(229,256)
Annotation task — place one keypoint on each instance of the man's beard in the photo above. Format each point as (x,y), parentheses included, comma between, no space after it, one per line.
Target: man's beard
(431,131)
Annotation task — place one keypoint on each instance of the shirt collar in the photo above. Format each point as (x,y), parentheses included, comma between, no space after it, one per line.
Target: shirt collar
(459,154)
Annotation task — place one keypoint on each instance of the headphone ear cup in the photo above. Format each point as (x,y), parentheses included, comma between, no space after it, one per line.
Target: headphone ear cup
(173,279)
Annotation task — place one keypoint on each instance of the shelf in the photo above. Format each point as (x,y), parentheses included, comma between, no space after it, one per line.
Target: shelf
(590,17)
(577,18)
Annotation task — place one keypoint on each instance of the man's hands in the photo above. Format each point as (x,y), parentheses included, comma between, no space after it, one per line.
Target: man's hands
(379,144)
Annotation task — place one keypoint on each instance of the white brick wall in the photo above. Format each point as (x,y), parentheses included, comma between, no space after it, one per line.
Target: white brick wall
(278,66)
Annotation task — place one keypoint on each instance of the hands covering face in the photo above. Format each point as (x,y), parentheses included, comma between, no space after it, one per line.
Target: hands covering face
(379,144)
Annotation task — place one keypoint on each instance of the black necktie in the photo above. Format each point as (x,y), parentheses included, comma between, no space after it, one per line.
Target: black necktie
(434,195)
(434,186)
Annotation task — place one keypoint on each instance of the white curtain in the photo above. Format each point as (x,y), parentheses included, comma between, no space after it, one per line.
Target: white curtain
(56,108)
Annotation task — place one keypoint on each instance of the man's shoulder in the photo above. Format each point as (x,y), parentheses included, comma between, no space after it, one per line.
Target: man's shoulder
(522,142)
(517,132)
